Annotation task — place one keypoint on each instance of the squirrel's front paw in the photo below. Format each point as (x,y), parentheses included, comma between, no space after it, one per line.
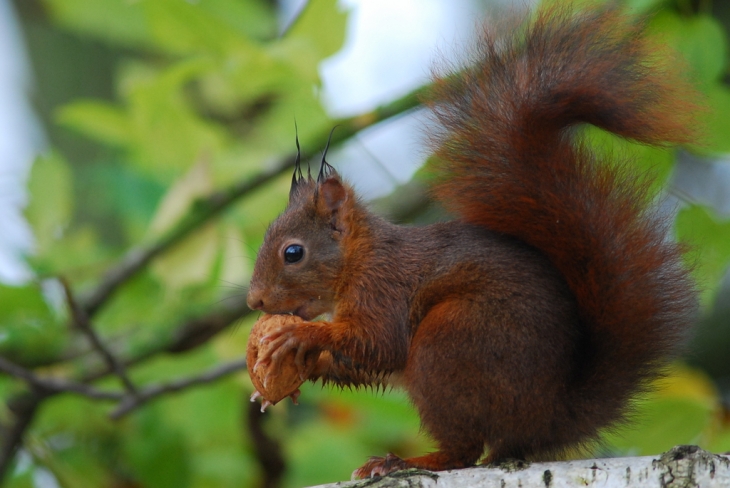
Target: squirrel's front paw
(300,340)
(274,371)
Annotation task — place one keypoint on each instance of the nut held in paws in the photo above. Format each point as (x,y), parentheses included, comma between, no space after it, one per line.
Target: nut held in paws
(286,380)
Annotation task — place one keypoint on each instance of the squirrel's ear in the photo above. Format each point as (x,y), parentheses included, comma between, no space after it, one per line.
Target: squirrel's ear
(333,194)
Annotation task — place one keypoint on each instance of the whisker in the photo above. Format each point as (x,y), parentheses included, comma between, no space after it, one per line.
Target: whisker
(232,283)
(227,298)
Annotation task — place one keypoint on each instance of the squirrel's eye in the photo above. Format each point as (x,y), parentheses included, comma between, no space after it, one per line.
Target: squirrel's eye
(293,253)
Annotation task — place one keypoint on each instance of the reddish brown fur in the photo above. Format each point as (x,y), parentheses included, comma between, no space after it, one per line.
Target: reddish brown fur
(527,324)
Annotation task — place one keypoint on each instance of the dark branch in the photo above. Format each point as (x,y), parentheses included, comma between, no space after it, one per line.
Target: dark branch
(50,386)
(191,334)
(267,449)
(23,409)
(130,402)
(82,322)
(127,402)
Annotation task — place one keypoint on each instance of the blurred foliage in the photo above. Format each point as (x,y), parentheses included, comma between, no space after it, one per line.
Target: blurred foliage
(200,95)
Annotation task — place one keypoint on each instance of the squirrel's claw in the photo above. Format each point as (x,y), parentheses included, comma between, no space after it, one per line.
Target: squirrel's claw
(380,466)
(295,396)
(257,365)
(264,404)
(277,335)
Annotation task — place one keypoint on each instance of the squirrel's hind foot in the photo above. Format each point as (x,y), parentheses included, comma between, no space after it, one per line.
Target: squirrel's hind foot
(435,461)
(380,466)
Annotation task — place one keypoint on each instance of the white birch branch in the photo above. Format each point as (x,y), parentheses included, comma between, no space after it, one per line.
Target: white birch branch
(680,467)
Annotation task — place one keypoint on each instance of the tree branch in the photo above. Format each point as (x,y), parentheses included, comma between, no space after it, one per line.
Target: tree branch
(51,386)
(127,402)
(130,402)
(23,408)
(266,449)
(680,466)
(191,334)
(82,322)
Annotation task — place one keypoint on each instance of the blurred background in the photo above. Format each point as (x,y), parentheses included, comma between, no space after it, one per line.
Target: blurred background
(144,147)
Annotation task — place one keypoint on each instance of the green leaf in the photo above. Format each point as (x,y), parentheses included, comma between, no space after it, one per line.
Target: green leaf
(130,198)
(715,125)
(161,312)
(77,248)
(30,331)
(643,7)
(118,21)
(180,197)
(659,425)
(99,120)
(276,124)
(656,163)
(23,478)
(51,199)
(681,410)
(253,18)
(307,42)
(721,441)
(186,28)
(321,26)
(221,455)
(191,261)
(237,259)
(316,441)
(169,135)
(24,304)
(700,40)
(709,253)
(156,451)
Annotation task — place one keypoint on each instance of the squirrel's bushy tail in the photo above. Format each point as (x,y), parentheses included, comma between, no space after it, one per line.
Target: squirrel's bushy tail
(513,164)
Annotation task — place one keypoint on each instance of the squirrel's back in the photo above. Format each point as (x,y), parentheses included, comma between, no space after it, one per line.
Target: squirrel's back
(512,162)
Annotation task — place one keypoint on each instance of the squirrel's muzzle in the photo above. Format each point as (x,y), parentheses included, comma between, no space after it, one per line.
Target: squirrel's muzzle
(255,300)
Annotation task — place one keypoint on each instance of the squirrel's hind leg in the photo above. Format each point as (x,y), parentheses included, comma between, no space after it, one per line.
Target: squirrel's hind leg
(430,377)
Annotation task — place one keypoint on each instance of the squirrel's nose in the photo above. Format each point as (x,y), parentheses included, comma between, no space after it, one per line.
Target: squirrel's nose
(254,300)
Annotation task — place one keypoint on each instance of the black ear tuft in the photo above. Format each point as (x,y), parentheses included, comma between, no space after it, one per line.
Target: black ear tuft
(297,177)
(325,168)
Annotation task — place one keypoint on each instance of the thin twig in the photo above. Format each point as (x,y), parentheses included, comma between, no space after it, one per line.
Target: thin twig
(127,402)
(50,386)
(82,321)
(191,334)
(23,408)
(131,402)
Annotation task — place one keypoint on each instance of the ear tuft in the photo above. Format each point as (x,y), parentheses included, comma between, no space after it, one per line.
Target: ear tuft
(297,177)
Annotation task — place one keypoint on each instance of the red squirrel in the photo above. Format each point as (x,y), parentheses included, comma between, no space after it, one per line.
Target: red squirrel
(525,325)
